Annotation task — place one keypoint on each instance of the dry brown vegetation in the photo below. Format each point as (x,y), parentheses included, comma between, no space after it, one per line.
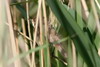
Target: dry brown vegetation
(49,33)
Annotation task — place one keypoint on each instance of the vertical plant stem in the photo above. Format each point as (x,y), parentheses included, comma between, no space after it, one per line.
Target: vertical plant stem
(35,33)
(56,54)
(45,18)
(16,34)
(74,55)
(95,15)
(3,20)
(46,33)
(41,40)
(26,47)
(85,8)
(73,47)
(96,19)
(13,44)
(28,22)
(29,32)
(97,3)
(70,56)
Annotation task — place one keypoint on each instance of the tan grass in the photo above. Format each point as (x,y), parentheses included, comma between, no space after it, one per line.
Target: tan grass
(13,43)
(85,8)
(35,33)
(25,39)
(95,15)
(41,39)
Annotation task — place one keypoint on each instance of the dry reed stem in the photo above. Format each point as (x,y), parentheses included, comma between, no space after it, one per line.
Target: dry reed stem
(2,23)
(95,15)
(96,18)
(13,44)
(46,28)
(45,18)
(35,33)
(99,28)
(85,8)
(27,10)
(26,47)
(41,39)
(16,35)
(23,28)
(73,47)
(74,55)
(97,3)
(26,37)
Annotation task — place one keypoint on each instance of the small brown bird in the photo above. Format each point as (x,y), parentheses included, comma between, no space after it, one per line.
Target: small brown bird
(53,38)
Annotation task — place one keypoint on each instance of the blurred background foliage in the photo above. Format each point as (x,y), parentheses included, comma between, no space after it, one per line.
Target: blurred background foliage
(49,33)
